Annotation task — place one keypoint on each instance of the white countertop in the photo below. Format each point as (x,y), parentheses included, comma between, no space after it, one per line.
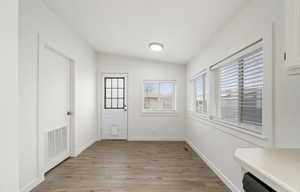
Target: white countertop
(279,168)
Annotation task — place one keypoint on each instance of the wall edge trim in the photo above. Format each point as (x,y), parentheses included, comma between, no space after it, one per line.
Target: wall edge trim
(31,185)
(213,167)
(156,139)
(82,148)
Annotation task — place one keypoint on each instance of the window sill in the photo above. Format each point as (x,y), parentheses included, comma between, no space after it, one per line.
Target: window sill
(202,116)
(294,70)
(239,128)
(159,113)
(234,130)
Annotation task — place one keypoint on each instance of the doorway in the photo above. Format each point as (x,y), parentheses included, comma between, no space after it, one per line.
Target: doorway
(55,98)
(114,107)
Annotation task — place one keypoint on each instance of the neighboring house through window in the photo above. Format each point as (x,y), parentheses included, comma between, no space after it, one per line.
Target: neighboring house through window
(159,96)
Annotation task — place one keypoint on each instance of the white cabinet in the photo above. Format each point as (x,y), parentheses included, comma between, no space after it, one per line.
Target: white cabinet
(278,168)
(293,36)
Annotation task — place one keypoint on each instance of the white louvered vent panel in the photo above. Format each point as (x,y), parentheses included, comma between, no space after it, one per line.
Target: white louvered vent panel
(57,142)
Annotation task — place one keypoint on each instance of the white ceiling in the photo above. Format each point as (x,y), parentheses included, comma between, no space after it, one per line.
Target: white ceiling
(126,27)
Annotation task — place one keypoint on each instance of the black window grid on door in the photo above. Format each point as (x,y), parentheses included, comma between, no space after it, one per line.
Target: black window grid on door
(111,98)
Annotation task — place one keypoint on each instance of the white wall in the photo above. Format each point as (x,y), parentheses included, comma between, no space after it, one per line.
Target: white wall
(36,18)
(9,177)
(142,127)
(218,146)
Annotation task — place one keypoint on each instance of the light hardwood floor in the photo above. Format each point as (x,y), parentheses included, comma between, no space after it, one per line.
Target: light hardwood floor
(120,166)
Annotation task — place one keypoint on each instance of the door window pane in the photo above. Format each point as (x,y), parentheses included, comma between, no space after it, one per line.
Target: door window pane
(114,83)
(120,103)
(108,83)
(121,93)
(114,95)
(108,103)
(114,103)
(108,93)
(120,83)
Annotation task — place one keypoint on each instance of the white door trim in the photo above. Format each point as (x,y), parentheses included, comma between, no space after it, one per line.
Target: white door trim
(101,102)
(42,43)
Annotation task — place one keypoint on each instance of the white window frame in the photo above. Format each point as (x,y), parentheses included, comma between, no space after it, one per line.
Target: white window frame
(244,126)
(265,137)
(159,111)
(203,74)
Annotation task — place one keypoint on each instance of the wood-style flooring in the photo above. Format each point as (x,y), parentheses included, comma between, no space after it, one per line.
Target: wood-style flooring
(121,166)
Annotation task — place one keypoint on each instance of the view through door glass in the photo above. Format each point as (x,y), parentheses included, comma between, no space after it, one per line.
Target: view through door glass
(114,96)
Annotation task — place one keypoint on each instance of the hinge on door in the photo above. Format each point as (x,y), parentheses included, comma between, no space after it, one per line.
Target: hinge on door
(284,56)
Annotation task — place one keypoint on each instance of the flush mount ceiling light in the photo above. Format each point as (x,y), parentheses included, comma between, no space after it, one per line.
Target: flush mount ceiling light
(156,47)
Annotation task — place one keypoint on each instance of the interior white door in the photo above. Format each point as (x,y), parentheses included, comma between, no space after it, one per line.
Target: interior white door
(114,107)
(54,106)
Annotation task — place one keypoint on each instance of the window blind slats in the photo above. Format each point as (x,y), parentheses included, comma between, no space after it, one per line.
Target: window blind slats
(250,74)
(240,89)
(253,57)
(230,69)
(257,62)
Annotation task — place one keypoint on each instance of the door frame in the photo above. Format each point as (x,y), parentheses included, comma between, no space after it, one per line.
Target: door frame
(41,153)
(101,102)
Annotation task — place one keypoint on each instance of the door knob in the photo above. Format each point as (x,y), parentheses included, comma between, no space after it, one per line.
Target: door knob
(69,113)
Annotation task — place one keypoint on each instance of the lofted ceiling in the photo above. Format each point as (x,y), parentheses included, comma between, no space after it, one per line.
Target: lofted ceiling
(126,27)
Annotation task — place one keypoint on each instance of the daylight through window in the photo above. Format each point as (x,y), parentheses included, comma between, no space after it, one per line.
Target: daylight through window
(159,96)
(240,90)
(200,97)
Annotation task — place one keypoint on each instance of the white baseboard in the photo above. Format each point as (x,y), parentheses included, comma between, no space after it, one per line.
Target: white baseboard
(155,139)
(35,182)
(213,167)
(84,147)
(30,186)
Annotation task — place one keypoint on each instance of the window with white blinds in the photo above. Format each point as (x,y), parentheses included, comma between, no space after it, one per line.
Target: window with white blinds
(240,85)
(200,97)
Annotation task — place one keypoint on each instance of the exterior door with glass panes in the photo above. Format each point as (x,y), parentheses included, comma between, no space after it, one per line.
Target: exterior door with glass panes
(114,107)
